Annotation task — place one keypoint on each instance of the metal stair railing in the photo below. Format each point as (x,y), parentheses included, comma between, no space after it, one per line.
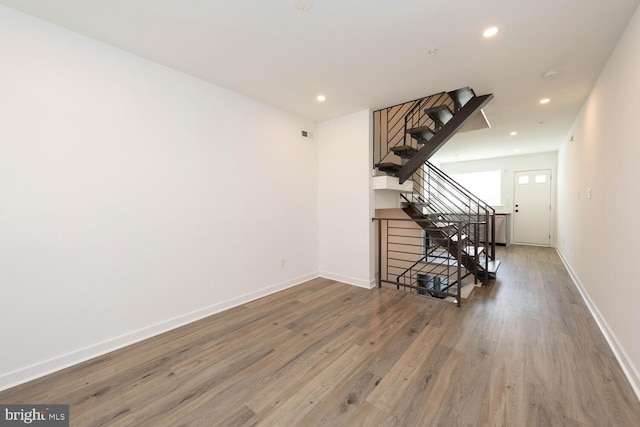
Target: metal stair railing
(406,261)
(393,122)
(436,195)
(418,117)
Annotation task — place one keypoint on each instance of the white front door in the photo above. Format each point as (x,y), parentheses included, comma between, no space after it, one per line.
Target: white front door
(532,207)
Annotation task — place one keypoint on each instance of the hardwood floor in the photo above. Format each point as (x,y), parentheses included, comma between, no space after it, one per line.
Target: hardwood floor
(523,352)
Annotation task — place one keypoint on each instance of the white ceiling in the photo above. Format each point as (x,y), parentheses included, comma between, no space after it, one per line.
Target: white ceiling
(373,54)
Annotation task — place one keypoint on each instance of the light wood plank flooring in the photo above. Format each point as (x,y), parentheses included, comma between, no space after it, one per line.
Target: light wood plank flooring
(523,352)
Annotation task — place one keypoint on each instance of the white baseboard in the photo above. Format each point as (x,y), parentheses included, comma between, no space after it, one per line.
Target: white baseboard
(46,367)
(367,284)
(630,371)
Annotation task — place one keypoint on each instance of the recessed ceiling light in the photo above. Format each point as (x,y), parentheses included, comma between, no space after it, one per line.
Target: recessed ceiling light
(303,4)
(321,98)
(514,133)
(432,51)
(490,32)
(545,101)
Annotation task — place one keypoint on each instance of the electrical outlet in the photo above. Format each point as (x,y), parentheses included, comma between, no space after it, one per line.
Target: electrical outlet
(282,262)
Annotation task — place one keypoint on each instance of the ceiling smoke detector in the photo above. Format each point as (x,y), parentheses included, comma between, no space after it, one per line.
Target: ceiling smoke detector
(550,73)
(303,4)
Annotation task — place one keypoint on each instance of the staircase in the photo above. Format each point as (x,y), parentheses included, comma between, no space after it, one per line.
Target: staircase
(454,222)
(428,125)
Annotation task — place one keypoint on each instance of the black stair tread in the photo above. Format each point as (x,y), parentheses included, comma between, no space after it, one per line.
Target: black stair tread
(410,204)
(440,114)
(417,205)
(405,151)
(422,134)
(388,167)
(436,109)
(461,96)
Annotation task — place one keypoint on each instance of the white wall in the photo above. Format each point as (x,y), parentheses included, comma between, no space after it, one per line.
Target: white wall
(508,166)
(134,198)
(599,237)
(346,199)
